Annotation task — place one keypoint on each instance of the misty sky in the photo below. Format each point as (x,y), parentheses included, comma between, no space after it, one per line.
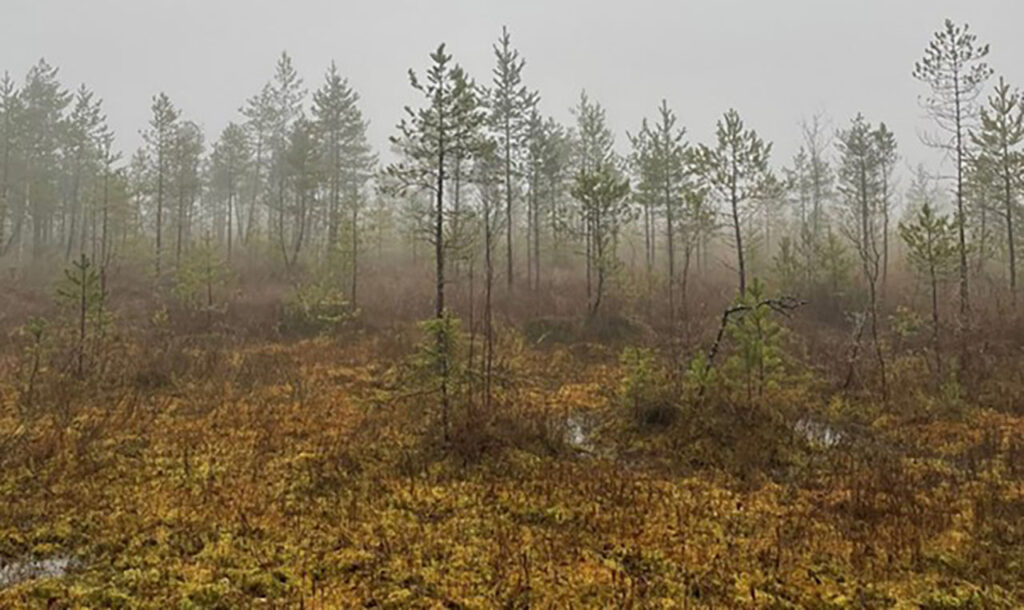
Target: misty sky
(775,61)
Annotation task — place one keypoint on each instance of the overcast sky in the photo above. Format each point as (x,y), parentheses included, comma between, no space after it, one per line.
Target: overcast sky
(775,61)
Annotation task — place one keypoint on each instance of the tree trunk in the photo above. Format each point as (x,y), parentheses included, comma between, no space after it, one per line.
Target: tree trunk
(488,316)
(1010,245)
(439,277)
(251,220)
(536,241)
(159,207)
(355,250)
(670,244)
(739,242)
(104,253)
(933,278)
(508,201)
(230,211)
(965,307)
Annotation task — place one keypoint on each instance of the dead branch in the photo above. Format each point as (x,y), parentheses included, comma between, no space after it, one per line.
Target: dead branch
(781,305)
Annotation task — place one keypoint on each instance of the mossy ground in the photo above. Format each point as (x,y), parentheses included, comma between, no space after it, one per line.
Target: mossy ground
(297,475)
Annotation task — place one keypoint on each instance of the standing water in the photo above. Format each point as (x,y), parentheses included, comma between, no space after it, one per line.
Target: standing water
(14,572)
(578,427)
(817,432)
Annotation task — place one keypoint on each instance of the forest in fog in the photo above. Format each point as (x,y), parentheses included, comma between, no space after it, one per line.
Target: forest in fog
(510,360)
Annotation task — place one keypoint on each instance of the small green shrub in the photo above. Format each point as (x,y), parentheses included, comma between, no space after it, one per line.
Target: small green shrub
(645,388)
(316,307)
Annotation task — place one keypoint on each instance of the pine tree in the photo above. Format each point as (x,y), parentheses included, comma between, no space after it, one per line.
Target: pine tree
(159,139)
(186,154)
(346,158)
(861,183)
(201,273)
(547,164)
(430,137)
(107,157)
(9,110)
(887,158)
(810,183)
(660,162)
(535,146)
(820,175)
(737,170)
(510,107)
(592,152)
(230,163)
(83,295)
(932,252)
(43,103)
(259,121)
(953,67)
(999,154)
(83,125)
(489,176)
(696,224)
(835,262)
(301,172)
(602,194)
(983,203)
(286,97)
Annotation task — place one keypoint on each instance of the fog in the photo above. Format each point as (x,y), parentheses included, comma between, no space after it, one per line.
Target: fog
(330,354)
(775,62)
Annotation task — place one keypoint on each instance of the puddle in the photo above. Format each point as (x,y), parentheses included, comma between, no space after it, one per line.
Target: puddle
(18,571)
(818,433)
(578,430)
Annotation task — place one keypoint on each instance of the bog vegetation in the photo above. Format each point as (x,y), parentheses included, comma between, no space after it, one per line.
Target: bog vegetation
(518,363)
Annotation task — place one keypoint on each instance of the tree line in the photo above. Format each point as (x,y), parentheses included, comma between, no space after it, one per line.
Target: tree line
(485,177)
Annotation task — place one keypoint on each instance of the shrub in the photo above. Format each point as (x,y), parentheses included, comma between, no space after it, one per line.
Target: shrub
(645,388)
(316,307)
